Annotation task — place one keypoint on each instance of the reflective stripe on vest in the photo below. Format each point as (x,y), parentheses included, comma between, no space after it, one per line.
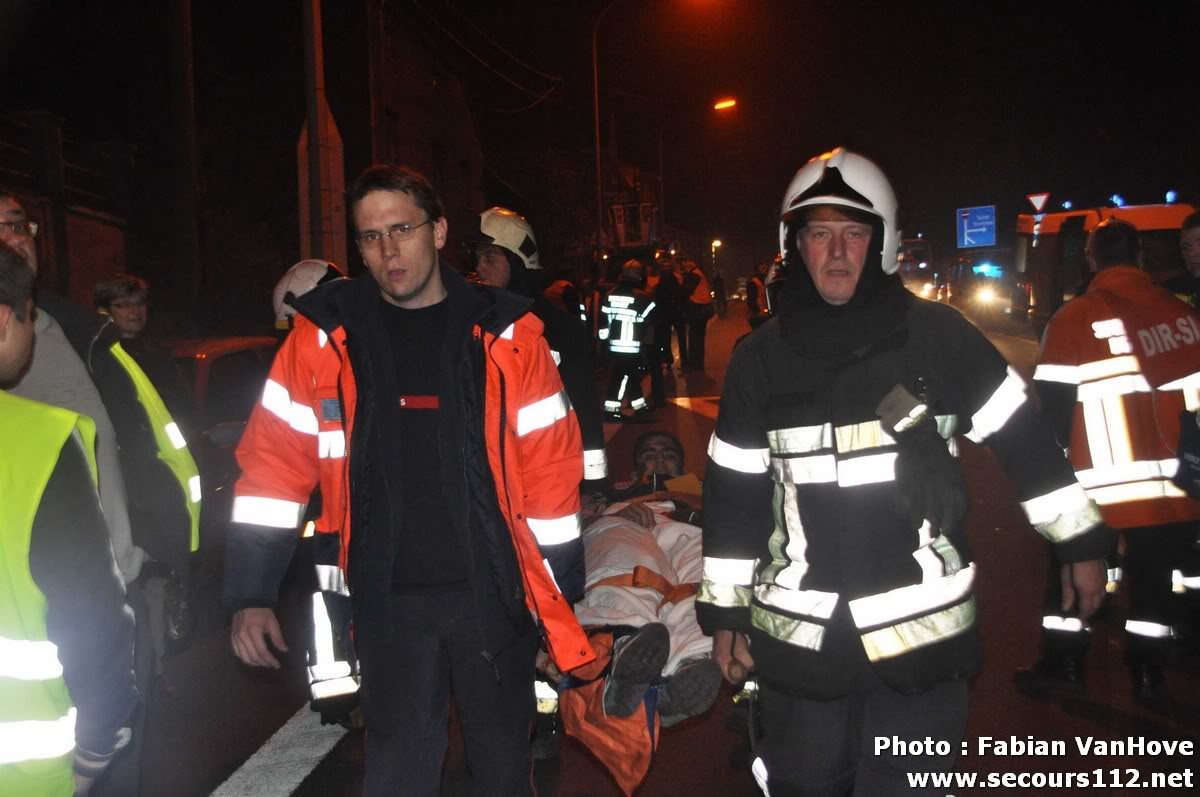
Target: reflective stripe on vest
(37,721)
(176,457)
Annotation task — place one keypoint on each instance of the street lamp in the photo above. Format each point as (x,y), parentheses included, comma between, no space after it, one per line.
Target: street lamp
(716,244)
(724,104)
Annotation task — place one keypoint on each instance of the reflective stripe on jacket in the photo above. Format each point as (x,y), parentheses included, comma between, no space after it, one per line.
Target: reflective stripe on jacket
(301,435)
(1127,354)
(37,720)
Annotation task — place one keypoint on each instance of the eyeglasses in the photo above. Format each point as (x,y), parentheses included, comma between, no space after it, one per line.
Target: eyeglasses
(401,232)
(21,229)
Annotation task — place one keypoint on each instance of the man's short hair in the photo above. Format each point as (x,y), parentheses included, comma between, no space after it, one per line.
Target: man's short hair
(118,288)
(1191,222)
(16,280)
(1114,243)
(401,179)
(644,439)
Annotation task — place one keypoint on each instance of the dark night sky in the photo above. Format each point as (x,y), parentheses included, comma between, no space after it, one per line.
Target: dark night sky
(962,103)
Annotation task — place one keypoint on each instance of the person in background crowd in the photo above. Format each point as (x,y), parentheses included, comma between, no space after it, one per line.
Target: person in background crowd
(65,632)
(505,253)
(431,414)
(756,297)
(78,364)
(627,330)
(1114,390)
(698,309)
(720,296)
(1187,285)
(671,303)
(833,505)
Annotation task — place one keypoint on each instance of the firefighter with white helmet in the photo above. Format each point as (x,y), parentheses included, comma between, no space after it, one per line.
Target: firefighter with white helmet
(834,541)
(505,252)
(627,333)
(297,281)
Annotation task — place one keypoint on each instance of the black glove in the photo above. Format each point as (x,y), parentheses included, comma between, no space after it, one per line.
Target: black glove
(929,481)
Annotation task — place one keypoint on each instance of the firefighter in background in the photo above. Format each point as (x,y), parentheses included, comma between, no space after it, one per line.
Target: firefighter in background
(627,332)
(1187,285)
(1116,368)
(756,297)
(505,253)
(332,666)
(697,310)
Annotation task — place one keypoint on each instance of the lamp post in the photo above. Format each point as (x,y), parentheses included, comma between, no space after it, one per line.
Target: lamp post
(596,121)
(716,244)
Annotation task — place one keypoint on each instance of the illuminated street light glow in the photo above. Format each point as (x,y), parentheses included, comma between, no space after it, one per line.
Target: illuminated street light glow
(724,104)
(716,244)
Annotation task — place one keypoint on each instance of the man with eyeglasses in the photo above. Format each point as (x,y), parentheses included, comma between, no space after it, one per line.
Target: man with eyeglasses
(431,415)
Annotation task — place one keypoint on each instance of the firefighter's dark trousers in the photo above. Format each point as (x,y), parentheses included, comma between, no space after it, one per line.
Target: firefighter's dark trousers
(625,383)
(817,748)
(435,652)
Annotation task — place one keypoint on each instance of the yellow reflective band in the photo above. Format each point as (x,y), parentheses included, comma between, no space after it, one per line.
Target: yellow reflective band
(1061,514)
(871,469)
(546,696)
(1069,625)
(194,489)
(338,687)
(1065,374)
(996,411)
(555,531)
(796,632)
(278,401)
(260,511)
(330,578)
(1125,385)
(810,602)
(728,596)
(730,571)
(1113,366)
(800,439)
(886,643)
(1181,583)
(35,740)
(331,445)
(542,413)
(29,661)
(1134,491)
(745,460)
(860,436)
(818,469)
(914,599)
(1139,470)
(595,463)
(174,435)
(1144,628)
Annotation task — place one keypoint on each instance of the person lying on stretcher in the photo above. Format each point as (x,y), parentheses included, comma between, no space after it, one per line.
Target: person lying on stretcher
(654,666)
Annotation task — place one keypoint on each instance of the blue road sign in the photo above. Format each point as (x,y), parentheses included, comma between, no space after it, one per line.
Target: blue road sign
(976,226)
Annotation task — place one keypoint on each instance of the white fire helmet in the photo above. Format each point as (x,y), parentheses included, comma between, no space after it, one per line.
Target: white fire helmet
(299,280)
(508,230)
(849,180)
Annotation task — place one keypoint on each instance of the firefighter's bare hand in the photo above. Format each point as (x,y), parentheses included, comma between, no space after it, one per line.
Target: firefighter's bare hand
(251,630)
(731,652)
(638,514)
(1083,587)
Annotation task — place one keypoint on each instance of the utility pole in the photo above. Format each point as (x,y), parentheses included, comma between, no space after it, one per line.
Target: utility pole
(183,166)
(314,78)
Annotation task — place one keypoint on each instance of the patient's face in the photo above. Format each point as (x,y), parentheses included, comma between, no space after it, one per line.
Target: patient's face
(659,455)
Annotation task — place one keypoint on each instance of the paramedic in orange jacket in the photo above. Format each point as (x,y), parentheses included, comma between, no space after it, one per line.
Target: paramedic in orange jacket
(431,415)
(1116,368)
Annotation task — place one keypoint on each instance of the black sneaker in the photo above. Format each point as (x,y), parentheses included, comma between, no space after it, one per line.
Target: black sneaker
(637,662)
(690,691)
(1052,674)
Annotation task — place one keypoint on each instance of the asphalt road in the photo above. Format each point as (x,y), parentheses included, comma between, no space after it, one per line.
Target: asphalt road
(213,729)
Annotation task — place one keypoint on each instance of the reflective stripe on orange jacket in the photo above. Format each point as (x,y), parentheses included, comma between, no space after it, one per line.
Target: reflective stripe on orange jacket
(1131,351)
(300,435)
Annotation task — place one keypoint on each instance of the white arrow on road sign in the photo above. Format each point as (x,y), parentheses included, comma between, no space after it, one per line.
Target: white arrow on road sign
(1038,201)
(967,239)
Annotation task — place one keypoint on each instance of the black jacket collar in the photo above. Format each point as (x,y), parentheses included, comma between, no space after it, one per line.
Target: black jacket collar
(343,302)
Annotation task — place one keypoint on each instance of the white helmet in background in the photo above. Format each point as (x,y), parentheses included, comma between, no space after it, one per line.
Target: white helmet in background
(297,281)
(508,230)
(845,179)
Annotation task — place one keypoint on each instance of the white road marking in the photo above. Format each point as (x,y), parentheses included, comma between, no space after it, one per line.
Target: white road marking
(280,765)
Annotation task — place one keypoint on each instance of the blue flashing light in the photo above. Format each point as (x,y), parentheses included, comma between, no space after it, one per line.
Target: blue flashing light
(1066,205)
(1117,200)
(986,269)
(1171,197)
